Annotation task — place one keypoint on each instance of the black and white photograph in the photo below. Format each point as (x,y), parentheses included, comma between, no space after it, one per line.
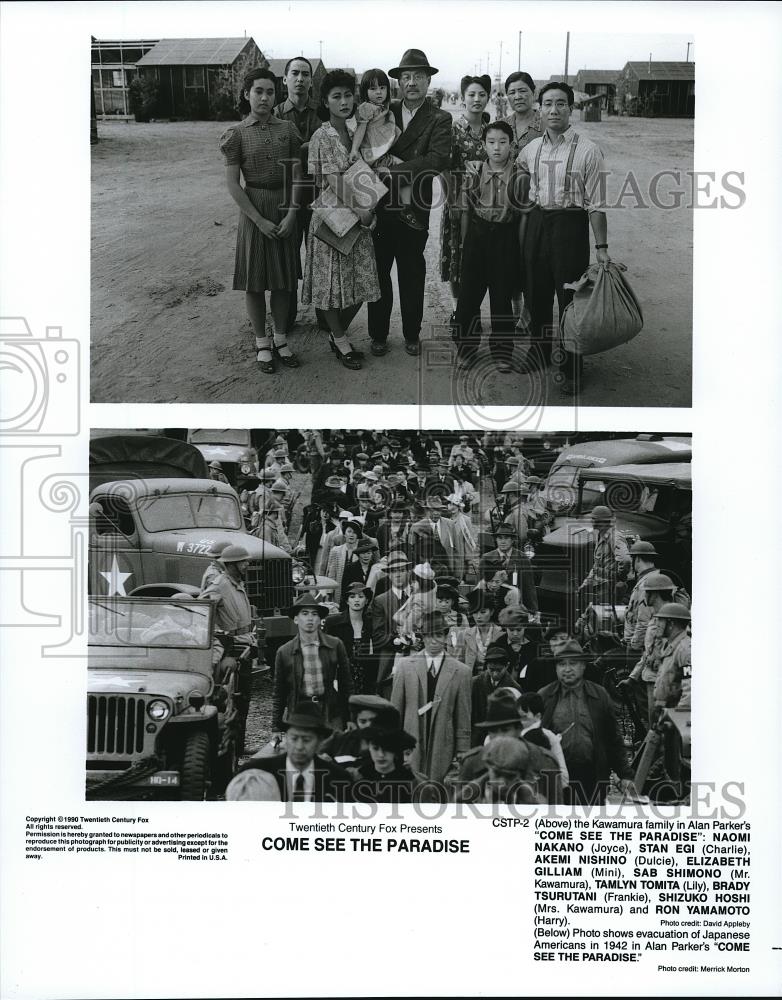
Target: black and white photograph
(392,219)
(285,615)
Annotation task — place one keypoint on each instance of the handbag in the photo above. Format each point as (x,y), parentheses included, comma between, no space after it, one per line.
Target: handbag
(342,244)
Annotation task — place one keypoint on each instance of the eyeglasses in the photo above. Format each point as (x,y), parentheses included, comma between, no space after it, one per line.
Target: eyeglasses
(413,77)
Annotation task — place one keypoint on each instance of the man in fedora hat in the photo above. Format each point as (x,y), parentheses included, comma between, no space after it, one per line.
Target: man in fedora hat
(495,676)
(639,611)
(504,721)
(384,607)
(431,691)
(432,536)
(424,147)
(440,482)
(366,710)
(311,667)
(299,774)
(508,557)
(583,714)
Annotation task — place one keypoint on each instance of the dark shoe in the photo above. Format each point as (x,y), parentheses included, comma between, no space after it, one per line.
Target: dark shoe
(413,348)
(407,215)
(379,348)
(267,367)
(290,360)
(359,354)
(349,360)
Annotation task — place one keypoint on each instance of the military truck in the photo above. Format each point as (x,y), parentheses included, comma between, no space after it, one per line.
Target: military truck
(233,449)
(158,721)
(650,502)
(561,490)
(155,518)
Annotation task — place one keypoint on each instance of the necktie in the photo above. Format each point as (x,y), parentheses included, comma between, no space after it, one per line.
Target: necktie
(298,788)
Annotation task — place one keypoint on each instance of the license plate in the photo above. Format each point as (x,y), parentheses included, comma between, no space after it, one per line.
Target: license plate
(164,779)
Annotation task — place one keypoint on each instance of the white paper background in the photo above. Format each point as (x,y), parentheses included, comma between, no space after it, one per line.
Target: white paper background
(333,924)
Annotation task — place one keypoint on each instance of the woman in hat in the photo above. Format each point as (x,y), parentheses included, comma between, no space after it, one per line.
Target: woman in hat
(267,259)
(482,633)
(354,627)
(384,777)
(466,145)
(366,710)
(422,601)
(336,282)
(359,570)
(447,602)
(343,555)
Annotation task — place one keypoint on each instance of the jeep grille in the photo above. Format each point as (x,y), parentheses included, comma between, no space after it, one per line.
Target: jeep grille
(116,725)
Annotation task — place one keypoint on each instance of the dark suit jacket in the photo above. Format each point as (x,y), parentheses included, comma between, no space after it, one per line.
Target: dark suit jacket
(607,742)
(289,675)
(481,689)
(332,782)
(425,148)
(537,673)
(384,607)
(401,544)
(520,565)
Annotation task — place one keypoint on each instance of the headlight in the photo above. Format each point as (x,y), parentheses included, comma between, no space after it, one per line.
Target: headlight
(297,573)
(246,468)
(158,710)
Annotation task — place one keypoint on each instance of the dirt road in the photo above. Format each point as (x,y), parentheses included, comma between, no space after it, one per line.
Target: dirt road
(167,327)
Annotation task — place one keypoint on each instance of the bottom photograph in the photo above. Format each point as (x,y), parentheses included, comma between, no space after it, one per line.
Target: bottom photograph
(389,616)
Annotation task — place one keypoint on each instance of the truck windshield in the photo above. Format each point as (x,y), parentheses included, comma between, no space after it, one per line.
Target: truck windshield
(238,437)
(173,512)
(636,497)
(172,624)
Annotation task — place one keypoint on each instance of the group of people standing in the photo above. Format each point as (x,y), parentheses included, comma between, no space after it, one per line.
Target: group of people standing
(454,652)
(520,194)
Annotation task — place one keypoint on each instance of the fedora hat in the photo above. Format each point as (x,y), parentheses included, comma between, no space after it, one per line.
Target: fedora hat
(505,530)
(423,571)
(514,616)
(397,560)
(572,650)
(432,623)
(501,710)
(306,601)
(307,715)
(364,543)
(412,59)
(497,654)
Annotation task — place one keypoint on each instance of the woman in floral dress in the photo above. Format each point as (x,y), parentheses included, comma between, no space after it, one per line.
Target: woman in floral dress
(336,282)
(466,145)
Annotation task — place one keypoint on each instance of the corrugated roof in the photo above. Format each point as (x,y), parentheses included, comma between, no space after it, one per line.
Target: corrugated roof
(661,70)
(277,66)
(597,76)
(194,52)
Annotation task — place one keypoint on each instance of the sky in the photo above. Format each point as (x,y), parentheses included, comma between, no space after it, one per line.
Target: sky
(458,36)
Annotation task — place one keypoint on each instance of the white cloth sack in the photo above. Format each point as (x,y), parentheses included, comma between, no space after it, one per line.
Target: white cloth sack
(604,312)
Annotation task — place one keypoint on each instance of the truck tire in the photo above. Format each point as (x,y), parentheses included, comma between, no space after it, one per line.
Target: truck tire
(196,769)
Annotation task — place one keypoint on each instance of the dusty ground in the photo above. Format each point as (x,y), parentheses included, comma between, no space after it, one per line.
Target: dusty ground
(166,326)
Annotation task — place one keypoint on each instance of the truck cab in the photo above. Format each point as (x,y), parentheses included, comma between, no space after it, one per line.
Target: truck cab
(650,502)
(233,449)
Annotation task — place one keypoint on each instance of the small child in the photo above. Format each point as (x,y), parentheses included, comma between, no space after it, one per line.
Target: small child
(376,132)
(492,200)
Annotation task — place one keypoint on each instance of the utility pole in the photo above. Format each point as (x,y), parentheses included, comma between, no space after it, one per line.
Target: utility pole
(320,43)
(567,54)
(499,69)
(519,66)
(488,71)
(688,51)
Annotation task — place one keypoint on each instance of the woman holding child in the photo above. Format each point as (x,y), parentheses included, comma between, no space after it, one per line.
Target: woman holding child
(338,283)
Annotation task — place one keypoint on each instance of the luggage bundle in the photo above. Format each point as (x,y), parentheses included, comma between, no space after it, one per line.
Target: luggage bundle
(604,312)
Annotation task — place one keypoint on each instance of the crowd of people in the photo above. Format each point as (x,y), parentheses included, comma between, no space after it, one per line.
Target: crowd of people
(521,193)
(421,656)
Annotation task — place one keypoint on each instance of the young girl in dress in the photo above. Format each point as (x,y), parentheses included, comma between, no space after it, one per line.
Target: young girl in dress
(377,131)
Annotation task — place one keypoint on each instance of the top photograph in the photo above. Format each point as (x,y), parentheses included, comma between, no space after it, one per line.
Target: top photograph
(451,218)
